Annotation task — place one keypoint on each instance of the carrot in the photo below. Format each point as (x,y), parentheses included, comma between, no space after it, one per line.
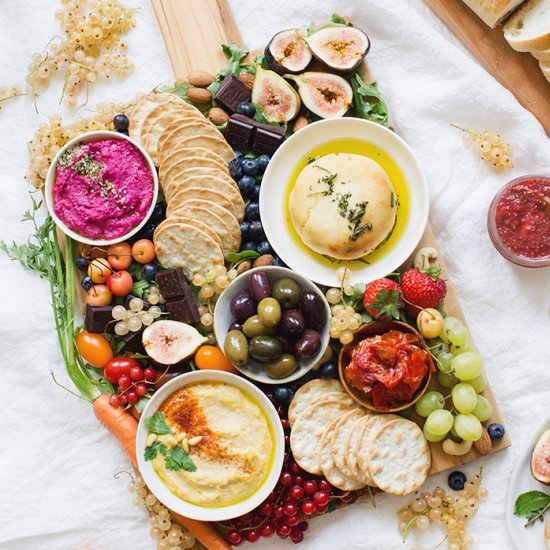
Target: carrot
(124,427)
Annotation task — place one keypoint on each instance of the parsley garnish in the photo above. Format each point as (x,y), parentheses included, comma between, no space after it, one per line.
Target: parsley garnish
(157,424)
(153,449)
(177,459)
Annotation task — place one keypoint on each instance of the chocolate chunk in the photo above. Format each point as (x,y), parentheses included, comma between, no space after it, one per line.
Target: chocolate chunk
(179,310)
(133,341)
(267,138)
(99,319)
(231,92)
(239,132)
(129,297)
(172,283)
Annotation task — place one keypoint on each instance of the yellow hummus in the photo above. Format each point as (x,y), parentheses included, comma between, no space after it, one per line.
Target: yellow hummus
(234,456)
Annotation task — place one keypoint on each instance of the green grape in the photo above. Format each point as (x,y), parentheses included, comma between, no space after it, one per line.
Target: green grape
(431,437)
(428,403)
(458,335)
(468,427)
(438,347)
(446,380)
(479,383)
(468,346)
(483,409)
(464,398)
(439,422)
(453,432)
(444,361)
(467,365)
(452,322)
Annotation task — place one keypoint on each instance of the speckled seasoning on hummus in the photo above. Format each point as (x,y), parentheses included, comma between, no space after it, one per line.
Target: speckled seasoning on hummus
(102,189)
(235,453)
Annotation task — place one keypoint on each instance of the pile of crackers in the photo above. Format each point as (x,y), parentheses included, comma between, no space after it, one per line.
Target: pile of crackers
(203,203)
(352,447)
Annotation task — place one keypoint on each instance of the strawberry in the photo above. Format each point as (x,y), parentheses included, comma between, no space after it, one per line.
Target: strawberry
(422,289)
(382,299)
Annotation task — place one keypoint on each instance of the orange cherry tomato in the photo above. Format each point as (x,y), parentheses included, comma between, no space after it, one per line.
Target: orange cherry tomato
(94,348)
(99,269)
(99,295)
(143,251)
(119,256)
(213,358)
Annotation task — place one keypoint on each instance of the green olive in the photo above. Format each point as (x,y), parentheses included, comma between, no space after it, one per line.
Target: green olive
(284,366)
(254,327)
(265,348)
(287,292)
(269,312)
(236,347)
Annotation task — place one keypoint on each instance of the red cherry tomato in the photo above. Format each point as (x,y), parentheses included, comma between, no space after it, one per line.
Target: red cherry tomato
(99,269)
(120,283)
(120,256)
(212,357)
(94,348)
(119,366)
(143,251)
(99,295)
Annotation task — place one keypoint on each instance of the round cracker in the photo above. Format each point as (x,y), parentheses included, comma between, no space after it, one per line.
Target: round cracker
(214,143)
(182,245)
(336,396)
(200,119)
(204,227)
(333,474)
(190,158)
(183,152)
(339,438)
(400,459)
(310,391)
(219,218)
(308,430)
(207,194)
(170,187)
(352,443)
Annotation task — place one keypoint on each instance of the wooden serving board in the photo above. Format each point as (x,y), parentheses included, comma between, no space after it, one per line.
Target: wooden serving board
(177,19)
(519,72)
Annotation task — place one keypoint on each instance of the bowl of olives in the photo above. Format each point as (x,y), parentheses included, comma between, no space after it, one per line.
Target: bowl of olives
(272,324)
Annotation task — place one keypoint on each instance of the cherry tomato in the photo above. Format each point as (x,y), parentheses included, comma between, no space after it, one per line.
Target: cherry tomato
(120,255)
(119,366)
(120,283)
(99,295)
(99,269)
(94,348)
(212,357)
(143,251)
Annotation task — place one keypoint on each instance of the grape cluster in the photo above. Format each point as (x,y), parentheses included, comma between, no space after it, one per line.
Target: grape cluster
(167,533)
(491,148)
(212,283)
(453,512)
(135,318)
(460,368)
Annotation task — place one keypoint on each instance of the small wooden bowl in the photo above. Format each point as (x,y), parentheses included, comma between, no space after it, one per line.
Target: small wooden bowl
(366,331)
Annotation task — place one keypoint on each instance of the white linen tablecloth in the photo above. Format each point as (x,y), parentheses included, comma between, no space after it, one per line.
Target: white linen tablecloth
(57,490)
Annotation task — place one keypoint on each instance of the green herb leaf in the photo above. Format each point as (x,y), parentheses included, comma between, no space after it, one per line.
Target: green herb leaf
(156,447)
(531,503)
(368,102)
(141,403)
(177,459)
(339,20)
(236,257)
(331,506)
(157,424)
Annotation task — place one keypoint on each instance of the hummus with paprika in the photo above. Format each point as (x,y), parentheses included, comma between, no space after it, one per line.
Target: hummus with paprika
(103,188)
(235,450)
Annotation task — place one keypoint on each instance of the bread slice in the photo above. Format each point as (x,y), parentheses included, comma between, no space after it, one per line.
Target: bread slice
(529,28)
(492,12)
(545,68)
(541,55)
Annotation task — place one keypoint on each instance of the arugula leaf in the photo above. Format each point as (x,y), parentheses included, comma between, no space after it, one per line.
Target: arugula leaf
(180,89)
(234,54)
(368,102)
(259,116)
(156,447)
(177,459)
(335,21)
(531,503)
(157,424)
(236,257)
(339,20)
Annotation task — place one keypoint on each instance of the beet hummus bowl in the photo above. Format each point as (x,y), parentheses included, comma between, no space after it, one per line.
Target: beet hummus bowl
(101,188)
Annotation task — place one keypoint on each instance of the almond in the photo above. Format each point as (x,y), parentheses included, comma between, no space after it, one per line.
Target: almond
(265,259)
(200,79)
(244,266)
(300,123)
(200,96)
(247,79)
(218,116)
(484,444)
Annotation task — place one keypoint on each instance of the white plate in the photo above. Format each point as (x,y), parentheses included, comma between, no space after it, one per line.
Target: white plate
(159,489)
(274,191)
(531,538)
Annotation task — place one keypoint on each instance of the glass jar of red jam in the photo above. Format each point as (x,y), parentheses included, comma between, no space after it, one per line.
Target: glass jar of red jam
(519,221)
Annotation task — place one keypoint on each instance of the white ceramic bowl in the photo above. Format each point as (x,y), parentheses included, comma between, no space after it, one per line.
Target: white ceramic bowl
(50,181)
(273,196)
(157,486)
(223,319)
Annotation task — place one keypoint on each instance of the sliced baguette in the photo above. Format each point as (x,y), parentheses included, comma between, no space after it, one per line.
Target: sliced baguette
(492,12)
(529,28)
(545,68)
(541,55)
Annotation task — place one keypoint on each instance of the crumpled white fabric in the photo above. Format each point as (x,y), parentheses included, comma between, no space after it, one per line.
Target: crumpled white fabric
(57,490)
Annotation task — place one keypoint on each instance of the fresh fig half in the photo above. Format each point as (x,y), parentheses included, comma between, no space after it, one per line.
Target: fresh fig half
(288,52)
(340,48)
(169,342)
(278,99)
(325,94)
(540,459)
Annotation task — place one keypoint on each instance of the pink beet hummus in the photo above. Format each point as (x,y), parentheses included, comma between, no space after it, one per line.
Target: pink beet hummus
(103,189)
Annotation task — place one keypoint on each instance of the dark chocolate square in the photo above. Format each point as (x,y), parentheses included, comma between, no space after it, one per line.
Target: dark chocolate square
(99,319)
(231,92)
(133,341)
(172,283)
(267,139)
(239,132)
(182,310)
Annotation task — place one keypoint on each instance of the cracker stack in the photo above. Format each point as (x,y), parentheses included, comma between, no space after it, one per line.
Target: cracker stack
(204,205)
(335,437)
